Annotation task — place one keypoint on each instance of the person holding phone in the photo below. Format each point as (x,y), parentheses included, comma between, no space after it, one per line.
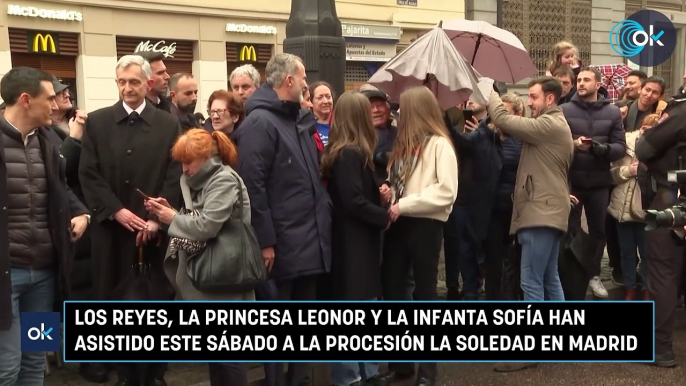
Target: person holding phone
(599,140)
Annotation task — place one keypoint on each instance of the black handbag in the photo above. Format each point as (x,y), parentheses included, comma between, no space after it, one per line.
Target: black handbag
(232,261)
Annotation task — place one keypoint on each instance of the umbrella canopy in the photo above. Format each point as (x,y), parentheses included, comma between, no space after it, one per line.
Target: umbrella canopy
(492,51)
(430,61)
(614,78)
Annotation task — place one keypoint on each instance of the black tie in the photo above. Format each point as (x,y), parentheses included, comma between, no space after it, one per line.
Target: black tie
(133,117)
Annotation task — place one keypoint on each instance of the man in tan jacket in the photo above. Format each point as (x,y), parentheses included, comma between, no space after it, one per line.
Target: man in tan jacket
(541,197)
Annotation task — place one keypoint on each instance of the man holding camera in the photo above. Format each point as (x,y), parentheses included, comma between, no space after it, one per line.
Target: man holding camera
(661,149)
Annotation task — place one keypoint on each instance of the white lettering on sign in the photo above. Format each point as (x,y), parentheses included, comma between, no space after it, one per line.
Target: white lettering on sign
(355,30)
(167,51)
(369,52)
(251,29)
(17,10)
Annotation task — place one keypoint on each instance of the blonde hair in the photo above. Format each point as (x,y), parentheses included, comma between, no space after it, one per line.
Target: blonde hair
(556,53)
(517,105)
(351,127)
(422,118)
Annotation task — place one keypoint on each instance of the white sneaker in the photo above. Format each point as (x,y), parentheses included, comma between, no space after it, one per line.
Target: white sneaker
(597,287)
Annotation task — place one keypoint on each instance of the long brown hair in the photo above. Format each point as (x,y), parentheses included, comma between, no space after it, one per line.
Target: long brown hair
(421,118)
(351,127)
(198,143)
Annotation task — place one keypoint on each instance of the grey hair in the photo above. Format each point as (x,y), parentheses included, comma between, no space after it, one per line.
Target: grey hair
(127,61)
(280,66)
(246,69)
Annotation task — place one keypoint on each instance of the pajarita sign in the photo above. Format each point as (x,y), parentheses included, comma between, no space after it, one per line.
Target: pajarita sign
(43,42)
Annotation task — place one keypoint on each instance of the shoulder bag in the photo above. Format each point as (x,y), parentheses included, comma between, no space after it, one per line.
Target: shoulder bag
(232,261)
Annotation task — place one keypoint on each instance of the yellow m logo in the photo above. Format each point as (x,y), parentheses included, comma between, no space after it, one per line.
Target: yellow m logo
(248,54)
(43,40)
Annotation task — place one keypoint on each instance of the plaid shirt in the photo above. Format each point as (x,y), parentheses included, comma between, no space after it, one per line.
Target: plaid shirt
(614,78)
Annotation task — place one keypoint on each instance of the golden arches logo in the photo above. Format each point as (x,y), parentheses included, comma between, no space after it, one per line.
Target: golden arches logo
(248,54)
(43,40)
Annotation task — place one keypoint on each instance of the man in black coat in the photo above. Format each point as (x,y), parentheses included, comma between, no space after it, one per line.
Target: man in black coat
(663,149)
(184,97)
(126,147)
(39,218)
(291,210)
(160,80)
(599,139)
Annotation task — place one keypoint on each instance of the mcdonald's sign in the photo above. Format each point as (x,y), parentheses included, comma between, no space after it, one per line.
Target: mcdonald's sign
(247,54)
(41,42)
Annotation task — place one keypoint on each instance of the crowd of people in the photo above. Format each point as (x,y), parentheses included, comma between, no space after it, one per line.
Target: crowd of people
(349,198)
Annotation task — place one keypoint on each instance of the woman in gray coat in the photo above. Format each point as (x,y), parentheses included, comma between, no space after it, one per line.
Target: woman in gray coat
(210,185)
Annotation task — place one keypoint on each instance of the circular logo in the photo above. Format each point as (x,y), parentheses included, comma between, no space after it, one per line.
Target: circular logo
(646,38)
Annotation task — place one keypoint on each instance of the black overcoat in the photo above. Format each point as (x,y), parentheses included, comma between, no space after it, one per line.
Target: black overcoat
(118,156)
(358,220)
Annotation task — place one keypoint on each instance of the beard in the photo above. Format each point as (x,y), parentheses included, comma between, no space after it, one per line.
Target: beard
(189,108)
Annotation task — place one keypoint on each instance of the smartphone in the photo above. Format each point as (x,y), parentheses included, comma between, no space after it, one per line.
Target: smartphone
(145,197)
(587,141)
(468,114)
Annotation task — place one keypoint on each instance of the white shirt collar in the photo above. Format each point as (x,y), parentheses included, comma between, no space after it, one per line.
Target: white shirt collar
(26,139)
(139,109)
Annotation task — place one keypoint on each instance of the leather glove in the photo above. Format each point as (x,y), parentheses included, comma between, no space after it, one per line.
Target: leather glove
(600,149)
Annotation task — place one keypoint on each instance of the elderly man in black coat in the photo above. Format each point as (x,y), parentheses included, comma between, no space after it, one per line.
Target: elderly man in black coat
(39,218)
(291,210)
(126,149)
(599,139)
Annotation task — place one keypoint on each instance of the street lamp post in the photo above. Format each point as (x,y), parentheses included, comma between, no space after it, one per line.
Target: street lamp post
(313,32)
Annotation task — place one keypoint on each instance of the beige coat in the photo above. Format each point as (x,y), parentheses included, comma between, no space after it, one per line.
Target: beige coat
(625,203)
(541,196)
(431,190)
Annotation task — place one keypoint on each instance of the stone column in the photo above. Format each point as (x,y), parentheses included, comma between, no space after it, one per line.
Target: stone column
(605,14)
(486,10)
(95,65)
(210,71)
(5,56)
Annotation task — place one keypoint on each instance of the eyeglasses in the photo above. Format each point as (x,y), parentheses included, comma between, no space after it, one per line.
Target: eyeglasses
(219,112)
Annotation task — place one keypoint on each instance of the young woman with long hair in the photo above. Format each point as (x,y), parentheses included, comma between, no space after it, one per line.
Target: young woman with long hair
(423,180)
(358,216)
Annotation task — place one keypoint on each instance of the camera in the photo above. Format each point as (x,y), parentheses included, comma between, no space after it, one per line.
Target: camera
(674,217)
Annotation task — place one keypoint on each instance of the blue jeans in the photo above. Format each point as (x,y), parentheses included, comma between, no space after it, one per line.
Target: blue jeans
(343,374)
(632,235)
(32,291)
(540,250)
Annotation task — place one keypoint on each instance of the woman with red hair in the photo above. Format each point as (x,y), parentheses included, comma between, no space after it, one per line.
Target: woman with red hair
(212,187)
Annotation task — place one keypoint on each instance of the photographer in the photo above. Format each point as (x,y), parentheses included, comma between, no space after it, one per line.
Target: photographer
(660,149)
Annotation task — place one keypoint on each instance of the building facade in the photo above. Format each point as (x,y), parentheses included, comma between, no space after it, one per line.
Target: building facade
(80,42)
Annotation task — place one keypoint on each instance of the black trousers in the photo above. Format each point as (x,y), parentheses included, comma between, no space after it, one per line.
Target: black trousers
(141,372)
(595,203)
(666,259)
(497,248)
(301,288)
(222,374)
(412,243)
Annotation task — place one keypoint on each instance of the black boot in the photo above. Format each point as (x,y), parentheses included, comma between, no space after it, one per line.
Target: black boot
(93,372)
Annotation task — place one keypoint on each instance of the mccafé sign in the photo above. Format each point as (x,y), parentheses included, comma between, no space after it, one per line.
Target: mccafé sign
(56,14)
(166,49)
(43,42)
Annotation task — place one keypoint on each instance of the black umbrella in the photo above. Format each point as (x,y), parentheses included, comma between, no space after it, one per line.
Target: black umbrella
(146,280)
